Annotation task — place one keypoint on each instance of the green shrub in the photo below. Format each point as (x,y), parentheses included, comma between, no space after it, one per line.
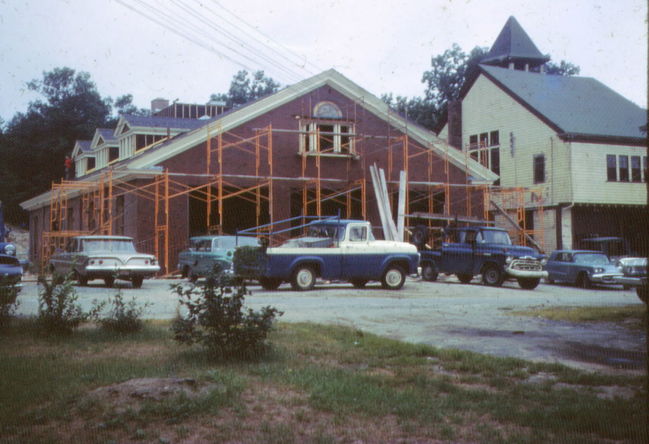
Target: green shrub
(58,311)
(248,261)
(8,303)
(122,317)
(212,314)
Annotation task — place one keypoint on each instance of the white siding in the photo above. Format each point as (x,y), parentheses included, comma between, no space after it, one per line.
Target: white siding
(591,184)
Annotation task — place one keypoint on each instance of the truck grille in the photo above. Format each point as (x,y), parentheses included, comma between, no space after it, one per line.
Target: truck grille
(526,264)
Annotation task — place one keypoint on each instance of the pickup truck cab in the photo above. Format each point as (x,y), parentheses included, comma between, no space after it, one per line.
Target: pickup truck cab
(336,249)
(468,251)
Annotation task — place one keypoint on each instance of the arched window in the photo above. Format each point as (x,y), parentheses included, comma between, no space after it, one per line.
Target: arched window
(326,133)
(327,110)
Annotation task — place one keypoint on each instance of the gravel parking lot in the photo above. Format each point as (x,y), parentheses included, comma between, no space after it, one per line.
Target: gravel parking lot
(444,314)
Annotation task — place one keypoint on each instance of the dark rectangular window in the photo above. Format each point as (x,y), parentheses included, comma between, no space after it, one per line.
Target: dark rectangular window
(494,138)
(624,168)
(484,139)
(636,172)
(495,160)
(140,141)
(326,138)
(611,168)
(644,167)
(90,163)
(473,141)
(113,153)
(539,168)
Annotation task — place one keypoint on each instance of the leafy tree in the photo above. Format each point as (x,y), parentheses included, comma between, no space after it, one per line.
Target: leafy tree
(562,69)
(245,88)
(415,109)
(35,143)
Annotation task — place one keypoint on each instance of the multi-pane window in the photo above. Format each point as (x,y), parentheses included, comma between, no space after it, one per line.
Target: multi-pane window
(539,168)
(636,172)
(624,168)
(327,137)
(326,132)
(611,168)
(144,140)
(485,148)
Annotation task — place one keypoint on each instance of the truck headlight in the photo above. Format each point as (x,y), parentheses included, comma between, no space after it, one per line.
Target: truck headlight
(10,249)
(544,261)
(508,260)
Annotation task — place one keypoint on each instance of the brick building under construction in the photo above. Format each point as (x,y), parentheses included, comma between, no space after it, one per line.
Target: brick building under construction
(305,150)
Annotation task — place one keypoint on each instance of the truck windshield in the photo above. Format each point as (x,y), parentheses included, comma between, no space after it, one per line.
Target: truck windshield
(494,237)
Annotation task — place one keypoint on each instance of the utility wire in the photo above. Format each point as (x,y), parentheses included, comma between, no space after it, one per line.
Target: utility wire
(303,60)
(232,37)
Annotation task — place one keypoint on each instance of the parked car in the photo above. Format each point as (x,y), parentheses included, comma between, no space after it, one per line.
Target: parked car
(207,252)
(582,268)
(104,257)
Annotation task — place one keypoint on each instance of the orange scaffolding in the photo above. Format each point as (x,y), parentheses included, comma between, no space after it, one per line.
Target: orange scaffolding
(432,200)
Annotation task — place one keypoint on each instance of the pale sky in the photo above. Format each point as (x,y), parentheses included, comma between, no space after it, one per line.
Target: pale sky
(384,46)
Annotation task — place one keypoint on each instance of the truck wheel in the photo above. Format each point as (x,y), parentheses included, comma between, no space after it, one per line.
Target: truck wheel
(492,276)
(109,281)
(583,281)
(643,293)
(359,283)
(429,272)
(464,278)
(270,283)
(528,283)
(137,281)
(393,278)
(82,280)
(303,278)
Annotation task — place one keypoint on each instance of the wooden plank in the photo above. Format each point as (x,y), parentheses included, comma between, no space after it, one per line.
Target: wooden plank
(401,206)
(515,224)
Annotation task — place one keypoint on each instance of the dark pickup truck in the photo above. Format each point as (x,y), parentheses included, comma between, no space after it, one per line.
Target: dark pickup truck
(469,251)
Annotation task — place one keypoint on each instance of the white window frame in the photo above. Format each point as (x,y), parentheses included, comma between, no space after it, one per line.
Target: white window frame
(309,131)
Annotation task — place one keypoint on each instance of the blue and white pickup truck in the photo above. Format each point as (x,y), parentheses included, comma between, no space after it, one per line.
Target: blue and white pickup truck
(337,249)
(487,251)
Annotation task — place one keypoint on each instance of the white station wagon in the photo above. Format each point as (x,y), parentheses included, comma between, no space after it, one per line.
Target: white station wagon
(104,257)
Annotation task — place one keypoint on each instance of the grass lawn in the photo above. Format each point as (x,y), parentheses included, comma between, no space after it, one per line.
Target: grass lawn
(319,384)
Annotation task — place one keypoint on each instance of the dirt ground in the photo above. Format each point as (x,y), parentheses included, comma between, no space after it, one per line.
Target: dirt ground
(444,314)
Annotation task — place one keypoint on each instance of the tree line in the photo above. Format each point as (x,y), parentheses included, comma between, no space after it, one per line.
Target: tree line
(34,143)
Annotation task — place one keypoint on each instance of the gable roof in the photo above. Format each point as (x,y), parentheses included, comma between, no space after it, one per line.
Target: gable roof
(156,122)
(513,43)
(575,107)
(103,136)
(81,147)
(145,164)
(335,80)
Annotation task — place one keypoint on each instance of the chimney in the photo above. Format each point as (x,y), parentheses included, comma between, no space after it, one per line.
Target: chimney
(158,105)
(454,114)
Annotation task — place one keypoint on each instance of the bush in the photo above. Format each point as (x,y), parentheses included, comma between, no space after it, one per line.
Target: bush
(58,311)
(248,261)
(216,319)
(123,317)
(8,303)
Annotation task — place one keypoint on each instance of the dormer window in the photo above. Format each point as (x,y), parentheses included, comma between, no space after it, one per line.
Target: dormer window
(326,133)
(90,163)
(113,153)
